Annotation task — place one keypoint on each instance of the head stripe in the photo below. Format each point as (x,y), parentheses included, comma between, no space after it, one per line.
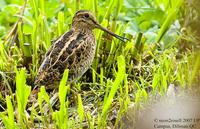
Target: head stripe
(81,11)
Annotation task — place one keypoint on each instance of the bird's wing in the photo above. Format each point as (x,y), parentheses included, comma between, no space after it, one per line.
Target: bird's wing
(54,50)
(65,48)
(57,57)
(59,43)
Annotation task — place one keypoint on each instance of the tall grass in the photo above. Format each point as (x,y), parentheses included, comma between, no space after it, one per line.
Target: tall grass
(172,15)
(22,94)
(108,99)
(61,116)
(9,121)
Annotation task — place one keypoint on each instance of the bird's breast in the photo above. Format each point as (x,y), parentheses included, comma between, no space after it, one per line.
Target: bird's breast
(81,58)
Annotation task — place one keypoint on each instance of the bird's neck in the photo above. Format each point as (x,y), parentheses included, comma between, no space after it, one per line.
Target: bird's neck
(83,29)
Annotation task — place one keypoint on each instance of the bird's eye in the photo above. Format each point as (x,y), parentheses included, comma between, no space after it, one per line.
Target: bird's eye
(86,15)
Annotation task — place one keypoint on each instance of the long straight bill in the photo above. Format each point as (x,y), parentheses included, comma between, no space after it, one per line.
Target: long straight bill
(111,33)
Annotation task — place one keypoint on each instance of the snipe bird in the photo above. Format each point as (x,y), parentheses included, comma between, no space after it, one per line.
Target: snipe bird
(74,50)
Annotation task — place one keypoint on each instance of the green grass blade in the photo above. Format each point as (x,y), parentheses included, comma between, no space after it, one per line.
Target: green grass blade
(119,78)
(61,116)
(80,111)
(61,23)
(22,94)
(167,23)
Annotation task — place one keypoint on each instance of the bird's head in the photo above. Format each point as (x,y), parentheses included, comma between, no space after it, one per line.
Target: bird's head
(86,20)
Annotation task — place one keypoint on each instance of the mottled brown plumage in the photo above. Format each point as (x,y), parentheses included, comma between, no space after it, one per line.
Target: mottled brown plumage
(74,50)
